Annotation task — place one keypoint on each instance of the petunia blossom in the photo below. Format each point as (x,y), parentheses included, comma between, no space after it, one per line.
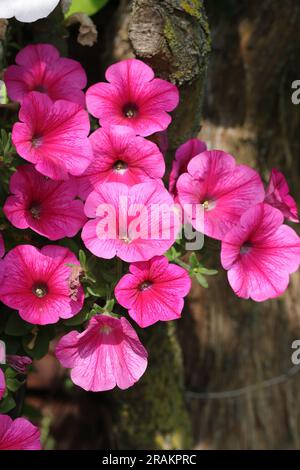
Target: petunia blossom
(53,136)
(183,156)
(135,223)
(121,156)
(259,253)
(27,11)
(47,207)
(153,291)
(133,97)
(277,195)
(2,384)
(18,434)
(40,68)
(107,354)
(223,190)
(39,283)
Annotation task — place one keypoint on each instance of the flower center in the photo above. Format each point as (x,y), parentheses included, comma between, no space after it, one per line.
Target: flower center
(145,285)
(105,329)
(35,210)
(41,89)
(245,248)
(40,289)
(208,205)
(130,110)
(36,141)
(120,167)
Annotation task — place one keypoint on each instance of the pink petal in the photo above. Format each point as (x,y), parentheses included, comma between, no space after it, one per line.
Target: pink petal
(57,215)
(260,253)
(107,354)
(120,144)
(137,222)
(183,156)
(162,299)
(53,136)
(277,195)
(228,189)
(41,69)
(19,434)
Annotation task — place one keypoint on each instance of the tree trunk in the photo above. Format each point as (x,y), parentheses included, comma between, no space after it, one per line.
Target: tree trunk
(236,343)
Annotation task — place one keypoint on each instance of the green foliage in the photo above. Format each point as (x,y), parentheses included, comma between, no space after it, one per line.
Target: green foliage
(90,7)
(7,404)
(15,326)
(7,150)
(193,266)
(36,344)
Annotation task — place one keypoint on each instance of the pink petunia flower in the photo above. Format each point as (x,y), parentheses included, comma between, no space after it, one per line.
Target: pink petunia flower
(220,188)
(135,223)
(133,97)
(153,291)
(2,246)
(38,284)
(40,68)
(19,434)
(277,195)
(107,354)
(183,156)
(2,384)
(260,253)
(53,136)
(47,207)
(121,156)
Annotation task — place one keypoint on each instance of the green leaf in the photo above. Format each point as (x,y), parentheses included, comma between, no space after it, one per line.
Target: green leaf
(15,326)
(7,404)
(78,319)
(82,258)
(193,260)
(10,373)
(207,272)
(13,384)
(97,291)
(202,281)
(90,7)
(36,345)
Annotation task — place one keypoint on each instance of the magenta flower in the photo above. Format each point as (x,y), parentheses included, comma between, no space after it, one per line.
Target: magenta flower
(122,157)
(183,156)
(53,136)
(135,223)
(277,195)
(47,207)
(19,434)
(223,189)
(133,97)
(260,253)
(38,283)
(153,291)
(107,354)
(40,68)
(19,363)
(2,384)
(2,247)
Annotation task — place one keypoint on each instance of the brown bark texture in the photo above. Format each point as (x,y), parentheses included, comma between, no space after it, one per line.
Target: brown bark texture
(240,344)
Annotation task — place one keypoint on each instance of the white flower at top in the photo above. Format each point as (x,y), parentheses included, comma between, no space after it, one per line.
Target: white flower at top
(28,10)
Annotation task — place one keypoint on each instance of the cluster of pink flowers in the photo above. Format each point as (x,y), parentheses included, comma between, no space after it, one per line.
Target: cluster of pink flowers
(257,249)
(71,180)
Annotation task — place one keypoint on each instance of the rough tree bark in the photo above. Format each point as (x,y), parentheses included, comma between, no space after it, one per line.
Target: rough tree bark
(248,112)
